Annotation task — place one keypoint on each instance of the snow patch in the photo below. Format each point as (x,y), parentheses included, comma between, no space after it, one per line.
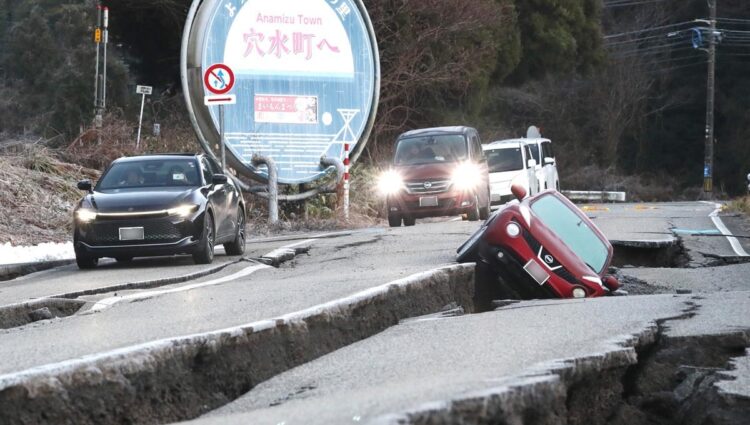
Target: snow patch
(48,251)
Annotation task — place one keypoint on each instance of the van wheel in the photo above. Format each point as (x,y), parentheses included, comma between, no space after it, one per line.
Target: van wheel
(410,221)
(473,214)
(394,220)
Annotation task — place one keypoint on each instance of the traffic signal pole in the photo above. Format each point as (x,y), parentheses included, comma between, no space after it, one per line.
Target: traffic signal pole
(708,170)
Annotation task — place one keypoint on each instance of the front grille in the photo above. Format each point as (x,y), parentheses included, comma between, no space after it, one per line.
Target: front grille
(533,243)
(155,230)
(568,276)
(428,186)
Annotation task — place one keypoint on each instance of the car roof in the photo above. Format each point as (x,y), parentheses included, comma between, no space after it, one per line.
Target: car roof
(161,156)
(503,144)
(436,130)
(521,140)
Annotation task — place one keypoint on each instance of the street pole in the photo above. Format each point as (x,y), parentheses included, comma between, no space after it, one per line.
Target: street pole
(708,169)
(221,139)
(104,72)
(97,41)
(140,122)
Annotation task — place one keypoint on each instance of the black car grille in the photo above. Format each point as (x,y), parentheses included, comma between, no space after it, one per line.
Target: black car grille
(558,268)
(568,276)
(533,243)
(155,230)
(428,186)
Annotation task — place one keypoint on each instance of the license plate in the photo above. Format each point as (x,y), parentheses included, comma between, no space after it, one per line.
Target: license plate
(131,233)
(428,201)
(536,271)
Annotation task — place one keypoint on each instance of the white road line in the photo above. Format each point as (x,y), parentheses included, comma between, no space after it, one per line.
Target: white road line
(736,246)
(109,302)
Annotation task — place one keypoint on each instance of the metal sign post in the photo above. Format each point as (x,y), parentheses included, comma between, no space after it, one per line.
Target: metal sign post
(104,71)
(142,90)
(219,80)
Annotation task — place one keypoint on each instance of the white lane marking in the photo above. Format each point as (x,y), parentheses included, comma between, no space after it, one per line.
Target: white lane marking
(736,246)
(109,302)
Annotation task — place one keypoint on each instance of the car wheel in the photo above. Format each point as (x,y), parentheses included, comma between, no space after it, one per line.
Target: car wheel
(85,262)
(237,246)
(484,213)
(410,221)
(205,252)
(473,214)
(394,220)
(124,259)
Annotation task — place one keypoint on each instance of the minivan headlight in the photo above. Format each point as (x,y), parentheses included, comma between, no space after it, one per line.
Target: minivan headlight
(466,176)
(85,215)
(390,182)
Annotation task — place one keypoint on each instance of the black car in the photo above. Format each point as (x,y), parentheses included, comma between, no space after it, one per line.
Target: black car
(159,205)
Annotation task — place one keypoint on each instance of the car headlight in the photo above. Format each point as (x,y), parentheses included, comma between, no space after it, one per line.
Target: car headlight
(183,210)
(84,215)
(467,176)
(390,183)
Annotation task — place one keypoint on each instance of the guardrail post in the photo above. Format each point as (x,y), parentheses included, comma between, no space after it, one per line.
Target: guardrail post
(273,186)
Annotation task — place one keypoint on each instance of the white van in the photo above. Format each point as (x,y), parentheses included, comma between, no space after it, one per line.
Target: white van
(546,165)
(510,162)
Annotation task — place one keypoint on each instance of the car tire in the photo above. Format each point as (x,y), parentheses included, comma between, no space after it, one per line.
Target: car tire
(484,213)
(237,246)
(205,251)
(410,221)
(86,262)
(123,259)
(473,214)
(394,220)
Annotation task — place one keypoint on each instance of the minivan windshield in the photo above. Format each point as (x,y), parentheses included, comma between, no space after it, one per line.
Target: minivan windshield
(502,160)
(431,149)
(572,230)
(151,173)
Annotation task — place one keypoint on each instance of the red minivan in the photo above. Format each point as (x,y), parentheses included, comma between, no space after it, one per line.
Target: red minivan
(437,172)
(543,246)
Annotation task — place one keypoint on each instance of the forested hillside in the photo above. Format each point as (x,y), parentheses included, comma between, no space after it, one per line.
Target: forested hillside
(601,77)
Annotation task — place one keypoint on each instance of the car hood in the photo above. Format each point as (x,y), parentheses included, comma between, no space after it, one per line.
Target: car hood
(505,176)
(137,200)
(440,171)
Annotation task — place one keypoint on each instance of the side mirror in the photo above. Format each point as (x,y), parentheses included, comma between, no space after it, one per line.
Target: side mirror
(518,191)
(531,163)
(85,185)
(549,161)
(611,283)
(219,179)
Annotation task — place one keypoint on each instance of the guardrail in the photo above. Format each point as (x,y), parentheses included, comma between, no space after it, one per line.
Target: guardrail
(594,196)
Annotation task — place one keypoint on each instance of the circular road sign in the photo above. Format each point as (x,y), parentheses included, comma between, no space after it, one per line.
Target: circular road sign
(219,79)
(308,81)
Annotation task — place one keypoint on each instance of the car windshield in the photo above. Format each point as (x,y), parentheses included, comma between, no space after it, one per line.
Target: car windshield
(572,230)
(501,160)
(535,151)
(431,149)
(151,173)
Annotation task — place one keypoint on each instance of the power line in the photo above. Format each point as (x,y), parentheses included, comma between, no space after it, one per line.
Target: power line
(641,31)
(629,3)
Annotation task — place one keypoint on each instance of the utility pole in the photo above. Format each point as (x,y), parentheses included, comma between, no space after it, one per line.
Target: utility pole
(97,77)
(708,169)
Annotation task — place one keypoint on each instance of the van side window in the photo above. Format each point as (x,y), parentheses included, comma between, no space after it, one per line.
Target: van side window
(476,146)
(547,150)
(529,156)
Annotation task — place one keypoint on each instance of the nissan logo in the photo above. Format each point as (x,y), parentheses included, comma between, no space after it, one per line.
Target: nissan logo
(427,185)
(549,259)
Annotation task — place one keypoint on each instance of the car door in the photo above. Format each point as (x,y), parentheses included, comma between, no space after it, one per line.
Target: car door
(548,164)
(231,201)
(530,171)
(217,196)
